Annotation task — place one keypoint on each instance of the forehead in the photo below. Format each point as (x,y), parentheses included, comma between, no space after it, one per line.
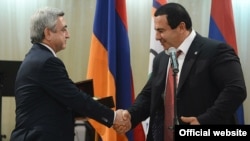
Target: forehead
(160,21)
(61,21)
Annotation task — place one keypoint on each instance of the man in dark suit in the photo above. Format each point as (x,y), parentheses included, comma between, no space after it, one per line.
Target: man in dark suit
(46,98)
(211,85)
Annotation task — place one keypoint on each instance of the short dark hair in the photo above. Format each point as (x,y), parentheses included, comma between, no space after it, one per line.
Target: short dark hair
(175,14)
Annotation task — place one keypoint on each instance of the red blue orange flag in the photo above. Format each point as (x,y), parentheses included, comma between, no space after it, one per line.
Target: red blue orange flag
(109,62)
(221,27)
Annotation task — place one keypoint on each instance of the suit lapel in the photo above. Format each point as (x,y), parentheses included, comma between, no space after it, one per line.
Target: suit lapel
(190,58)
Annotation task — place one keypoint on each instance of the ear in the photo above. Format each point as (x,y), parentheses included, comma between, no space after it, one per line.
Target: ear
(47,34)
(182,26)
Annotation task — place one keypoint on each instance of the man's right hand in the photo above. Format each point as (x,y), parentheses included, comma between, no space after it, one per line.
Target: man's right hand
(122,122)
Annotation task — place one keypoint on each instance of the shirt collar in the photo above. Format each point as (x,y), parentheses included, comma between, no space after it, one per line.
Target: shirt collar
(187,42)
(51,50)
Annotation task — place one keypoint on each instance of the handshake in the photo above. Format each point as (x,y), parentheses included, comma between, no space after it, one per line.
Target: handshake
(122,122)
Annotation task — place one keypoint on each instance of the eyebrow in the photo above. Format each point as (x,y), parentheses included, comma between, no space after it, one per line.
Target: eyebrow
(159,29)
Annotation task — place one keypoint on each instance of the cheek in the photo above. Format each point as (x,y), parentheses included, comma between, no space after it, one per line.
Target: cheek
(171,36)
(165,36)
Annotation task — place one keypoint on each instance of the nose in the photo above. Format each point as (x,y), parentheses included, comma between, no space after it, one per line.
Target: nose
(157,36)
(67,35)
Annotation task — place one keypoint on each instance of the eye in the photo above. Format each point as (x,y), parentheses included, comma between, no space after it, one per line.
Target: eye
(64,29)
(160,31)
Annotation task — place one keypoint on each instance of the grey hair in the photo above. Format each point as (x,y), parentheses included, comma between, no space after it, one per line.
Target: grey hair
(43,18)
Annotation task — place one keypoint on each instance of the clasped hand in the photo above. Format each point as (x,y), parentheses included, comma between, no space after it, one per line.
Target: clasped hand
(122,122)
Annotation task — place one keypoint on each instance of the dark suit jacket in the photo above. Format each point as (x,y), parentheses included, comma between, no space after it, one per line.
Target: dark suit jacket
(211,85)
(46,100)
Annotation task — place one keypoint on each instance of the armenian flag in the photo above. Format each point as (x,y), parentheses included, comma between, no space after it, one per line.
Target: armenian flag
(109,62)
(221,27)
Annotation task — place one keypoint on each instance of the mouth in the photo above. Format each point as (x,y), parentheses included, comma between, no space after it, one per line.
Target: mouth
(161,43)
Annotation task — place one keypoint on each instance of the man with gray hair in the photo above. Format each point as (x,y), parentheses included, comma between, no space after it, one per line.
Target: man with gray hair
(46,98)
